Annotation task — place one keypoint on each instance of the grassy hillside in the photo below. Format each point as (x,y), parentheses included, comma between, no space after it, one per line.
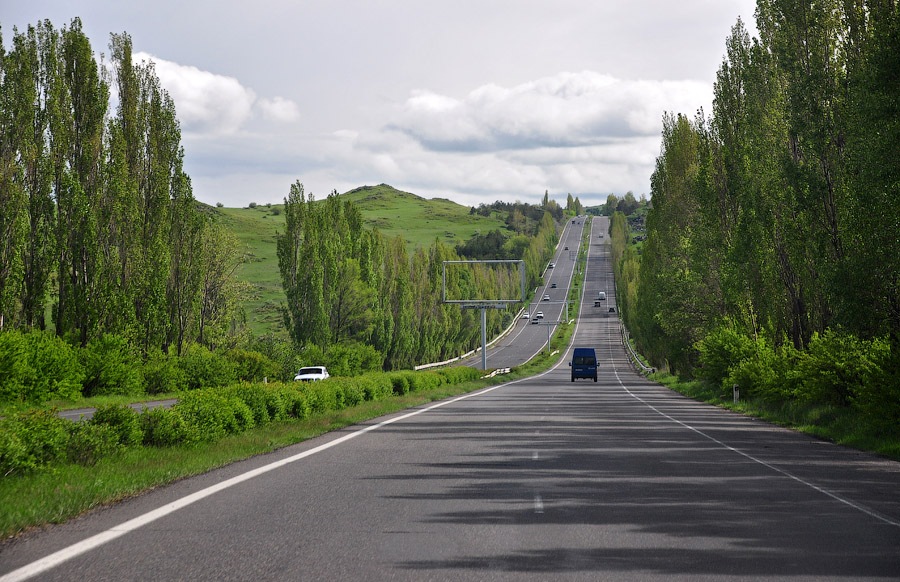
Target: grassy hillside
(418,220)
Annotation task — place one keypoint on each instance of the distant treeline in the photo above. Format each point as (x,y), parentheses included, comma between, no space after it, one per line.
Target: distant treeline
(774,235)
(99,230)
(348,284)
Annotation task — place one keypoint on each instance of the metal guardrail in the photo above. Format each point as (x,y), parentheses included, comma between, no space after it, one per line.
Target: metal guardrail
(632,355)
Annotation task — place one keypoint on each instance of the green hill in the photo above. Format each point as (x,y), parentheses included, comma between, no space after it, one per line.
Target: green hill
(419,221)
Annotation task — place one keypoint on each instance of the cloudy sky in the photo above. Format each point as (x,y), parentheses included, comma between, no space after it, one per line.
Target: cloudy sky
(471,100)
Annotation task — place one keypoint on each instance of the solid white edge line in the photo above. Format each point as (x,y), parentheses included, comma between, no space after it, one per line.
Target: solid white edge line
(95,541)
(813,486)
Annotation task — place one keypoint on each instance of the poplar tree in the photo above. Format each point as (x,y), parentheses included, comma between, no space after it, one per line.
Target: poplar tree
(13,199)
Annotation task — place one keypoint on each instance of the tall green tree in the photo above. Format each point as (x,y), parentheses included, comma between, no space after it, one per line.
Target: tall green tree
(13,199)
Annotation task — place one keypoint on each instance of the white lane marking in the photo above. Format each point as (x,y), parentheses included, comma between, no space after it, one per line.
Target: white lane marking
(534,456)
(93,542)
(835,496)
(538,504)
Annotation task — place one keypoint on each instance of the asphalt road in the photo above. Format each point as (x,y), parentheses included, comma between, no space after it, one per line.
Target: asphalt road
(528,338)
(540,479)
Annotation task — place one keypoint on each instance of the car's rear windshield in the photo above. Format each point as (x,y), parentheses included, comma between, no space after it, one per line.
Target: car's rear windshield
(310,371)
(584,360)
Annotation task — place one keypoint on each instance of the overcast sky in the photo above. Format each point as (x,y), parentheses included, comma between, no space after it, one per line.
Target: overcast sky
(474,101)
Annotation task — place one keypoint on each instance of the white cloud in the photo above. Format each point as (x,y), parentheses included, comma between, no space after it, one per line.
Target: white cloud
(210,104)
(279,109)
(564,110)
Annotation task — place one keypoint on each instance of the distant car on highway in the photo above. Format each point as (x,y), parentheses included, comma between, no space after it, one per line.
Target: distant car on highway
(526,315)
(553,285)
(312,374)
(545,298)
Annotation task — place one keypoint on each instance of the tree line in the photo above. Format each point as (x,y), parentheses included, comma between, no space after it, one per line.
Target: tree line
(104,248)
(100,233)
(346,284)
(774,232)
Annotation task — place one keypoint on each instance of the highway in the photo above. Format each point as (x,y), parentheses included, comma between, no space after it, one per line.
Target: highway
(538,479)
(528,338)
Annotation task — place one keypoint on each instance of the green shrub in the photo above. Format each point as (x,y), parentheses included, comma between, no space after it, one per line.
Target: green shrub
(214,415)
(251,366)
(879,396)
(835,368)
(755,374)
(243,416)
(719,351)
(111,367)
(256,397)
(37,366)
(205,369)
(162,373)
(165,427)
(89,442)
(351,359)
(459,374)
(425,380)
(278,403)
(400,383)
(299,403)
(124,420)
(375,386)
(31,440)
(351,391)
(205,414)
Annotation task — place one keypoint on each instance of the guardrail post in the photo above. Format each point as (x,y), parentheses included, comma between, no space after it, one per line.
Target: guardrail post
(736,392)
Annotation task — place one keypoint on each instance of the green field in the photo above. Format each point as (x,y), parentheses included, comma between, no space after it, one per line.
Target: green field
(394,213)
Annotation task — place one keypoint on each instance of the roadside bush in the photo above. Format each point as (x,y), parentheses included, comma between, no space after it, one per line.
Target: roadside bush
(425,380)
(257,400)
(719,351)
(162,373)
(36,367)
(204,413)
(352,359)
(400,382)
(879,397)
(205,369)
(755,374)
(31,440)
(836,367)
(123,420)
(111,367)
(214,415)
(376,386)
(243,416)
(298,402)
(351,391)
(322,396)
(251,366)
(88,443)
(165,427)
(459,374)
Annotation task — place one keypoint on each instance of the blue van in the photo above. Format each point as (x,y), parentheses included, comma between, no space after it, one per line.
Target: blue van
(584,363)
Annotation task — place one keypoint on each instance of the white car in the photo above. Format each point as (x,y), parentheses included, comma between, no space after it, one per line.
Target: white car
(312,374)
(526,315)
(545,298)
